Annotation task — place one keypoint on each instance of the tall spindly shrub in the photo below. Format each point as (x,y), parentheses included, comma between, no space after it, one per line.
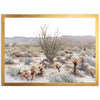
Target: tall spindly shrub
(49,44)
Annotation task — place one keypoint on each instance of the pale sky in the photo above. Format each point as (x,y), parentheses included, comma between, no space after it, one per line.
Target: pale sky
(68,26)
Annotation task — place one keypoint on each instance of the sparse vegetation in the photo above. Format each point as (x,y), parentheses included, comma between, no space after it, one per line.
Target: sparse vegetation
(49,59)
(21,59)
(9,61)
(62,54)
(90,60)
(63,78)
(82,60)
(14,44)
(90,70)
(28,61)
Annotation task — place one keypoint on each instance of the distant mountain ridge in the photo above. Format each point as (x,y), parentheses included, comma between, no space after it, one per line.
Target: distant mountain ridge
(20,40)
(33,40)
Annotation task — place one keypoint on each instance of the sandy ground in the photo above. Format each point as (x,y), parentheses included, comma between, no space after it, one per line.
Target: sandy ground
(48,72)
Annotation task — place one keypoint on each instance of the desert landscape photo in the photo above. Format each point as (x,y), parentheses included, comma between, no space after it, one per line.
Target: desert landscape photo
(50,50)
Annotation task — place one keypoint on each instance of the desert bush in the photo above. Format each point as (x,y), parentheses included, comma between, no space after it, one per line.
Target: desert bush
(14,44)
(75,61)
(29,51)
(35,65)
(69,71)
(82,60)
(21,54)
(28,61)
(82,53)
(6,51)
(12,71)
(63,48)
(62,54)
(50,45)
(78,73)
(23,68)
(35,54)
(62,77)
(68,56)
(22,47)
(90,60)
(25,74)
(58,66)
(70,52)
(28,54)
(33,71)
(17,54)
(40,71)
(62,61)
(9,61)
(21,59)
(58,58)
(35,49)
(6,45)
(89,70)
(69,66)
(26,46)
(91,53)
(45,64)
(87,51)
(38,49)
(76,49)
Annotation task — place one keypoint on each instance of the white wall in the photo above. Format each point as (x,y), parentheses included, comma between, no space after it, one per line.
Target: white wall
(49,7)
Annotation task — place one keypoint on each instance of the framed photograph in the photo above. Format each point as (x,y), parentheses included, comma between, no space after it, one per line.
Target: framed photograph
(50,50)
